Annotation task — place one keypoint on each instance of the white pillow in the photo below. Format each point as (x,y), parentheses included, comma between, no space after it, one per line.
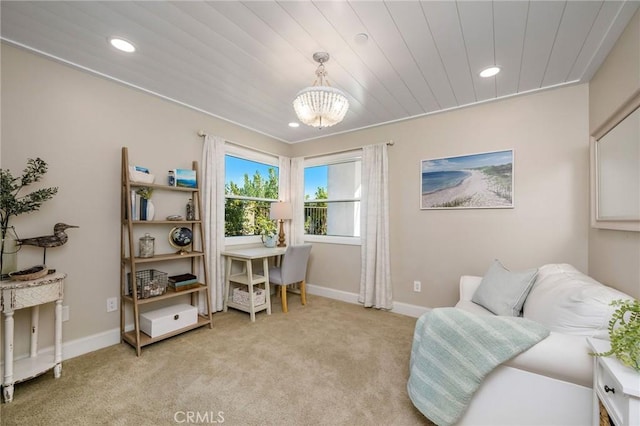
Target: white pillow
(503,292)
(567,301)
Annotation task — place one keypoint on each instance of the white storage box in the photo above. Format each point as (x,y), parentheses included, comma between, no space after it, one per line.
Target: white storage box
(242,297)
(165,320)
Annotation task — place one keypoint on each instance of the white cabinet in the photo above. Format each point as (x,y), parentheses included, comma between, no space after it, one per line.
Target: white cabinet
(16,295)
(616,386)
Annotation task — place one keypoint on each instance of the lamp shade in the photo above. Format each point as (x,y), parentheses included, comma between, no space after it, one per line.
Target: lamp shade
(321,106)
(281,210)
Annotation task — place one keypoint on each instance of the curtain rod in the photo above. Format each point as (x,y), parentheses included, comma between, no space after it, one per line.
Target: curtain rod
(202,134)
(322,154)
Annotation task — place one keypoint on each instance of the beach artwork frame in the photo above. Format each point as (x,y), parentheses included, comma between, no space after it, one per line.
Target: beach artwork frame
(185,178)
(474,181)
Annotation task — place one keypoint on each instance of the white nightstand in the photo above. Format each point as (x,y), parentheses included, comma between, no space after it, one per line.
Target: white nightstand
(616,386)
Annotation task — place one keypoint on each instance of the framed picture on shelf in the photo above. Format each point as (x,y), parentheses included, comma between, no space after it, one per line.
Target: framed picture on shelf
(186,178)
(473,181)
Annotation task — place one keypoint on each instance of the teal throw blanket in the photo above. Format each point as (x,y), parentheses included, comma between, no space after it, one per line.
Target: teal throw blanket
(453,350)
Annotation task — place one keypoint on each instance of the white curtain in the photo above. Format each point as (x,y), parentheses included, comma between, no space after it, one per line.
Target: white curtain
(375,272)
(297,200)
(212,187)
(284,170)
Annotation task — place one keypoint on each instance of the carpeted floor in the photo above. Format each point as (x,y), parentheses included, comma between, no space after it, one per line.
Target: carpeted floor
(327,363)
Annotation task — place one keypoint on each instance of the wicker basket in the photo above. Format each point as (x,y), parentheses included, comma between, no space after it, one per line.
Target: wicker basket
(605,420)
(149,283)
(242,297)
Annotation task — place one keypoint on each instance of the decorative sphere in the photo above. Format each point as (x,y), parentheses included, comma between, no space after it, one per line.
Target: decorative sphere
(181,237)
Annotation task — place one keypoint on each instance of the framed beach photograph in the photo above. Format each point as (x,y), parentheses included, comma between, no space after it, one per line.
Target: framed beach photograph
(475,181)
(186,178)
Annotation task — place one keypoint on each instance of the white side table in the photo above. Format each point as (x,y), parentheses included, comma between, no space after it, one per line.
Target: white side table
(247,278)
(16,295)
(616,386)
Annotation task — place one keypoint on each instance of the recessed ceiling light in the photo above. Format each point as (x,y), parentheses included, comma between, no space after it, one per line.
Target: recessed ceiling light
(489,72)
(294,124)
(122,44)
(361,38)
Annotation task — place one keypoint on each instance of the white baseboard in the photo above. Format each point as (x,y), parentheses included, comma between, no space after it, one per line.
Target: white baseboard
(84,345)
(80,346)
(344,296)
(91,343)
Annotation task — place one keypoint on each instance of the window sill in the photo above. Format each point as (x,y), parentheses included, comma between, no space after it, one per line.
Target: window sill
(323,239)
(327,239)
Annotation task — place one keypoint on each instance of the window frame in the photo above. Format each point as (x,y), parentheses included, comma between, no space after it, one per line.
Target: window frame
(258,157)
(327,160)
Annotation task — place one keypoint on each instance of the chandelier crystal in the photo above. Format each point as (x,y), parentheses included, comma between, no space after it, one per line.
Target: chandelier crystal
(321,105)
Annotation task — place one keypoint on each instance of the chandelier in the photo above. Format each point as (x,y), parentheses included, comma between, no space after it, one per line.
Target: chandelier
(321,105)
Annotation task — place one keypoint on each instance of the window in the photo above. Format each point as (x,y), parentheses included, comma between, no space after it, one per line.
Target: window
(251,185)
(332,198)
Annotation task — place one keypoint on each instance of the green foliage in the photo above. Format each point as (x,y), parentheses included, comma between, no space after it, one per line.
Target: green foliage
(315,218)
(503,170)
(499,178)
(321,194)
(250,217)
(14,204)
(261,188)
(458,202)
(624,333)
(145,192)
(233,217)
(315,214)
(265,226)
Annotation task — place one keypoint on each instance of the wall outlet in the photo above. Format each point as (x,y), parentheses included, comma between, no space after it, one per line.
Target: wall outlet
(112,304)
(65,313)
(417,286)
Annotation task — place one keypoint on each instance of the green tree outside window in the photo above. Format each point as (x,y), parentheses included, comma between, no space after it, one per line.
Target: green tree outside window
(248,216)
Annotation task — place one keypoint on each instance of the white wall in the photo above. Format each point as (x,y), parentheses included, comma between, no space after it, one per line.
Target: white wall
(614,256)
(78,122)
(549,134)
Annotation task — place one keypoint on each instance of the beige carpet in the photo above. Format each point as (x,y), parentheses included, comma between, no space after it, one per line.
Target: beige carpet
(327,363)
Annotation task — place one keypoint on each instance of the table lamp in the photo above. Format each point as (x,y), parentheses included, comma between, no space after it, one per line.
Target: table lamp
(281,211)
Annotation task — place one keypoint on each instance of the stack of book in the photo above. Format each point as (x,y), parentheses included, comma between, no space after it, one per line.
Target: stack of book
(183,282)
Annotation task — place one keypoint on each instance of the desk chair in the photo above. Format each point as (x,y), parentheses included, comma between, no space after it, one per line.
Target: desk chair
(292,270)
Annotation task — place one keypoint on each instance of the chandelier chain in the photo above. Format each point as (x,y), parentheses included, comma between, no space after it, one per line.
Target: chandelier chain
(321,72)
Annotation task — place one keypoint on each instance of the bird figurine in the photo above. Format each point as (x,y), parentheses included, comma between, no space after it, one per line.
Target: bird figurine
(58,238)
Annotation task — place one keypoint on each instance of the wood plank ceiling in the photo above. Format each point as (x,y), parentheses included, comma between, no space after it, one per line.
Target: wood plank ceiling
(245,61)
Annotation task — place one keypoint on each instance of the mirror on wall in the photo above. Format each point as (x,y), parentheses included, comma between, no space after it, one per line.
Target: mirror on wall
(616,180)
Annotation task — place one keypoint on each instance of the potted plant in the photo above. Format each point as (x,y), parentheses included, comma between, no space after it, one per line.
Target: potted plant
(147,209)
(267,230)
(12,203)
(624,333)
(145,192)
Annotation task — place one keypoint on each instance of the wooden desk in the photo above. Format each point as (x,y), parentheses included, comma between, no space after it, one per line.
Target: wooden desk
(248,278)
(16,295)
